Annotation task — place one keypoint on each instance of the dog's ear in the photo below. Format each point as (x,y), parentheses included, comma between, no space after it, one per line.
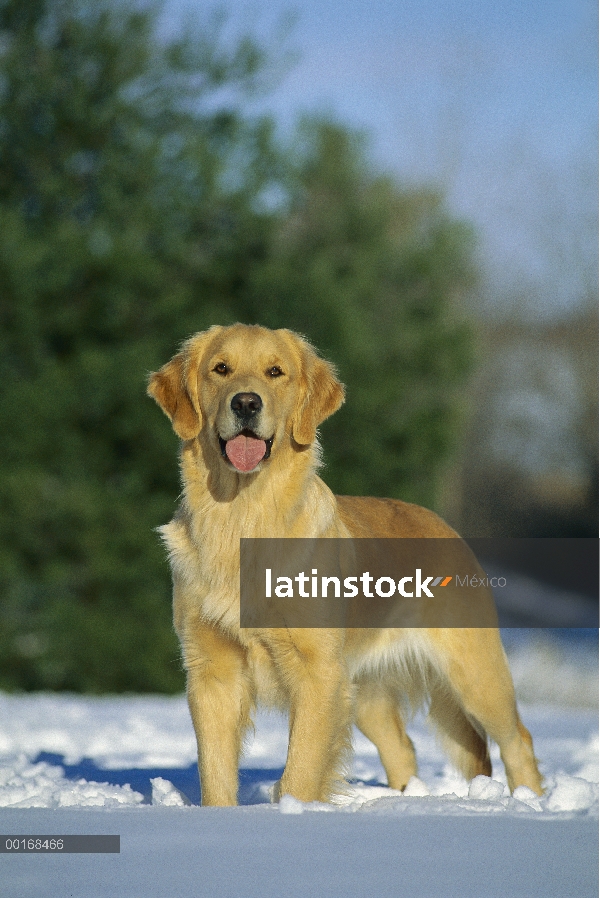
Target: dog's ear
(321,394)
(174,390)
(175,386)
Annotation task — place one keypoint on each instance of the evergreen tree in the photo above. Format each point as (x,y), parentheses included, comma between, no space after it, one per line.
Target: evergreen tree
(121,232)
(375,276)
(139,203)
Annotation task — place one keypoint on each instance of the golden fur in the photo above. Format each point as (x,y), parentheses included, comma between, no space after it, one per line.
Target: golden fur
(326,678)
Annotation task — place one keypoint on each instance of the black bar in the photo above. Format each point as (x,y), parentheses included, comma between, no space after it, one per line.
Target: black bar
(27,844)
(419,582)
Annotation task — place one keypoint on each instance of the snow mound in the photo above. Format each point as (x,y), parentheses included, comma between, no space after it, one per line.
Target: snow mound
(26,785)
(415,788)
(570,793)
(485,788)
(166,795)
(290,805)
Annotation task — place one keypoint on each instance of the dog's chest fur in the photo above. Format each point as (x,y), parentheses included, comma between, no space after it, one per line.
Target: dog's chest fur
(203,539)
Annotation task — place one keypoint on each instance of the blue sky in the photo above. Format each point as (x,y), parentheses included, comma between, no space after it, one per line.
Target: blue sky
(495,101)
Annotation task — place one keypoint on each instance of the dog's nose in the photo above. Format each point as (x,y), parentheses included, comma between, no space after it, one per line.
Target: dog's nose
(246,405)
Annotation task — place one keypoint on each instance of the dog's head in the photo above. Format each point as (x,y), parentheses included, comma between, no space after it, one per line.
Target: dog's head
(249,391)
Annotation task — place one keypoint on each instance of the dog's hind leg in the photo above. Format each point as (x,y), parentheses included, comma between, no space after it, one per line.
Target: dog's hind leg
(378,717)
(481,686)
(466,747)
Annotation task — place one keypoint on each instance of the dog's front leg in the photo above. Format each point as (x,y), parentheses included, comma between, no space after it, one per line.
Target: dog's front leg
(219,698)
(320,714)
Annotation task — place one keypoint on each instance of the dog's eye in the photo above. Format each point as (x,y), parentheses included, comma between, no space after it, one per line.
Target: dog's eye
(275,371)
(221,368)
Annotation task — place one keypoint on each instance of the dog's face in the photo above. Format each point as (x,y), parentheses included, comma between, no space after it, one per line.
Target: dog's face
(248,391)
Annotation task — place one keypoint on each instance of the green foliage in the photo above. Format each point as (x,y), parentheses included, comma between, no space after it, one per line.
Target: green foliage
(373,276)
(139,204)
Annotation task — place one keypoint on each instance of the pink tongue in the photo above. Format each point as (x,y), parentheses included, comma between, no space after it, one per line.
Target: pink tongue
(244,452)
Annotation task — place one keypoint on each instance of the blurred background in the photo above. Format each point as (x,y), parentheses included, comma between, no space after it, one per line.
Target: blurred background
(411,185)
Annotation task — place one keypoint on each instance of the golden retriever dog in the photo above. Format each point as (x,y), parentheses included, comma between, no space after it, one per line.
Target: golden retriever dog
(246,403)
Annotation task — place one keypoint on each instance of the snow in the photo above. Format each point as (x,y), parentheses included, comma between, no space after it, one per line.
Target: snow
(164,794)
(126,765)
(30,776)
(27,785)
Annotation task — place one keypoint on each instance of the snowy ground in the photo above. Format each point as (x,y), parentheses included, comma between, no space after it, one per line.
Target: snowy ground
(126,765)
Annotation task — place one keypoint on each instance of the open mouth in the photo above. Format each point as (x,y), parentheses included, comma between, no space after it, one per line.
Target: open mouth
(245,451)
